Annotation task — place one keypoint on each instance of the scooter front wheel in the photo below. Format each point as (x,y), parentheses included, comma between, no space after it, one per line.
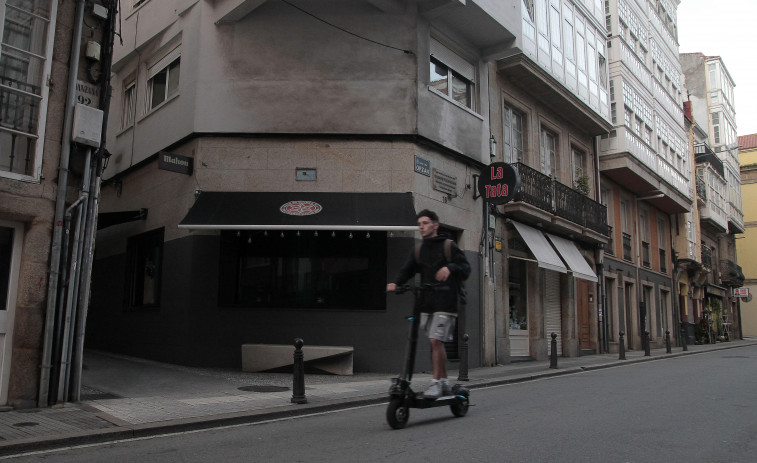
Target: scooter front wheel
(397,413)
(460,408)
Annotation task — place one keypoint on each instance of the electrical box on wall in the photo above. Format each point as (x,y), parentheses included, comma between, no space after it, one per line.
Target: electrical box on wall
(88,123)
(93,50)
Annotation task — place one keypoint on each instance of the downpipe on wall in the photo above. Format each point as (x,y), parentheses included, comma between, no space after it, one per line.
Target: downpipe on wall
(60,203)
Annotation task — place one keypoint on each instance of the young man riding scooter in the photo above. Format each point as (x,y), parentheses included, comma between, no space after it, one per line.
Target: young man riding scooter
(439,261)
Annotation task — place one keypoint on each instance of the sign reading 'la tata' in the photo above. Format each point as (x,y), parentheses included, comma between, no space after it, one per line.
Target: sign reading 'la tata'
(498,183)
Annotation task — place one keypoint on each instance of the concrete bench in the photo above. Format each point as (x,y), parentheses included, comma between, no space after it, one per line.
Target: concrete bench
(332,359)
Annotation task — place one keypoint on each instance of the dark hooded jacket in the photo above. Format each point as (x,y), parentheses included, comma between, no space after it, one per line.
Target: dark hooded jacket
(430,260)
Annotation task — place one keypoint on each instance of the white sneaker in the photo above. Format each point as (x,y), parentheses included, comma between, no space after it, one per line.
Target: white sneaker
(434,391)
(446,387)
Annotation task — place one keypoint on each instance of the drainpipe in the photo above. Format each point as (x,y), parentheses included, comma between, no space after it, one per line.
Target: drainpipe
(94,198)
(60,203)
(602,342)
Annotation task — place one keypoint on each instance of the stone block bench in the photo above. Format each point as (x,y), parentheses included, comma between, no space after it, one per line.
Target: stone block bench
(331,359)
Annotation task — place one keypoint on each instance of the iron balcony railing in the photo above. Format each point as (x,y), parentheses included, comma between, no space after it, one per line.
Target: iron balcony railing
(552,196)
(701,188)
(627,254)
(731,274)
(706,257)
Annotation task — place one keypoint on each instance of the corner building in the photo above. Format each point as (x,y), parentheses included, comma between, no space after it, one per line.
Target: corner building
(267,159)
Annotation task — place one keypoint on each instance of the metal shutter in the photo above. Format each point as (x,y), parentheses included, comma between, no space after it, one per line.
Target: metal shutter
(552,316)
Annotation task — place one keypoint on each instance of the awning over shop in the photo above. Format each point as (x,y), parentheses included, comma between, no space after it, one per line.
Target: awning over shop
(572,256)
(541,249)
(215,210)
(106,219)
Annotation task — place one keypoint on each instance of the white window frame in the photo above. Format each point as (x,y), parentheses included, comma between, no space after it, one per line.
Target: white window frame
(513,150)
(157,68)
(458,67)
(128,104)
(39,136)
(548,149)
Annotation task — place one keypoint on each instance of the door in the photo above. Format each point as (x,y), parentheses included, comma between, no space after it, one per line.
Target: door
(552,315)
(582,309)
(518,307)
(11,237)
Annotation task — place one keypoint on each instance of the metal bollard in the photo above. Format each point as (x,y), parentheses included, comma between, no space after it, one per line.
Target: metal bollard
(463,373)
(298,388)
(667,342)
(684,339)
(622,346)
(553,352)
(646,344)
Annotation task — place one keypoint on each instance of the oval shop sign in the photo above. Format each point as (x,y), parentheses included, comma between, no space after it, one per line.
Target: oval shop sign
(498,183)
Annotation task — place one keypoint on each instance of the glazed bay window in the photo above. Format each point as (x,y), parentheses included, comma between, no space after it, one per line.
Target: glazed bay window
(24,65)
(451,75)
(163,79)
(305,270)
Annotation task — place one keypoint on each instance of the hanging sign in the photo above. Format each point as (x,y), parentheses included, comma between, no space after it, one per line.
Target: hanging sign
(498,183)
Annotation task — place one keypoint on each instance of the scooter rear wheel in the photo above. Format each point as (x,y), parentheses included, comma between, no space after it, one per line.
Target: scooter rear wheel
(459,409)
(397,413)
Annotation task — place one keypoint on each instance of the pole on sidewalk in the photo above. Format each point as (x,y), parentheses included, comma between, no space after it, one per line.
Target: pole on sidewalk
(553,351)
(646,344)
(667,342)
(298,386)
(622,346)
(463,373)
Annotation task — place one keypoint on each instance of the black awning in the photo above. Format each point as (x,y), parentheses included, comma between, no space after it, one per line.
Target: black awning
(216,210)
(106,219)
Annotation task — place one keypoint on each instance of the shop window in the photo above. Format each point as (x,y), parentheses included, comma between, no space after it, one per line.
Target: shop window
(144,266)
(303,270)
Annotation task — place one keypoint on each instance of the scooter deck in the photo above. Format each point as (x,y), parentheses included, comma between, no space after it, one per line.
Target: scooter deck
(425,402)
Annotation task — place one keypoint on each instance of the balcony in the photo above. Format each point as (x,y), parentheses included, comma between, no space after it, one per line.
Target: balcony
(627,249)
(731,274)
(712,212)
(701,190)
(645,255)
(706,257)
(19,106)
(557,206)
(632,163)
(663,261)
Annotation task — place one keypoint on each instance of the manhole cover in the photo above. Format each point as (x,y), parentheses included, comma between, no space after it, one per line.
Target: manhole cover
(25,424)
(263,388)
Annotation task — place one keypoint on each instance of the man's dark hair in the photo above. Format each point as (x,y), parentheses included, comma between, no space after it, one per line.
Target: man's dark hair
(430,214)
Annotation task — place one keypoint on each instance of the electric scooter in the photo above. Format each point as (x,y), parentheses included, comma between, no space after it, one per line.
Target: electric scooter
(401,396)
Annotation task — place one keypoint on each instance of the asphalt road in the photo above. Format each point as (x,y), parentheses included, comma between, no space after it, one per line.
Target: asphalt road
(698,408)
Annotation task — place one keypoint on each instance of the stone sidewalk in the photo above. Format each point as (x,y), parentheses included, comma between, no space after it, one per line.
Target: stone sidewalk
(124,397)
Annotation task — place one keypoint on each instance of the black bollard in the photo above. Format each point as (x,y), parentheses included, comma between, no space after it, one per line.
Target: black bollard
(646,344)
(667,342)
(298,388)
(622,346)
(684,338)
(463,373)
(553,352)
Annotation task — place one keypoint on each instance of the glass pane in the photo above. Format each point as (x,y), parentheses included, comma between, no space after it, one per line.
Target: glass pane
(158,88)
(17,152)
(438,78)
(461,90)
(173,77)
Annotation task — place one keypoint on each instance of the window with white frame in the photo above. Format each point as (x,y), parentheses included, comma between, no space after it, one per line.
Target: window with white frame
(451,75)
(513,125)
(548,153)
(163,79)
(128,104)
(25,62)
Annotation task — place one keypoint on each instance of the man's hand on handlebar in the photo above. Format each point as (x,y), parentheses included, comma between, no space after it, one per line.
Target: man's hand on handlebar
(391,287)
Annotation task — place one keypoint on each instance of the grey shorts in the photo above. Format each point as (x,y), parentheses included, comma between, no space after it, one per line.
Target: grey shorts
(439,325)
